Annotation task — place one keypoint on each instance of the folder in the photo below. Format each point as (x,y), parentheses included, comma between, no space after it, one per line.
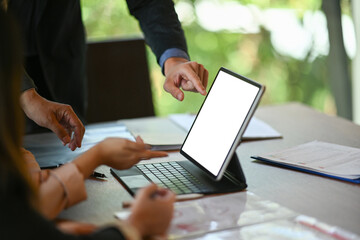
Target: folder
(321,158)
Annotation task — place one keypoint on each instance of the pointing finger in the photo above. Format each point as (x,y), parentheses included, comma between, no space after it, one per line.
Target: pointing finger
(190,75)
(152,154)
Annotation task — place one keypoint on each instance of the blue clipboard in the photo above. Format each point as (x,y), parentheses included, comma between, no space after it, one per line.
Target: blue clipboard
(305,170)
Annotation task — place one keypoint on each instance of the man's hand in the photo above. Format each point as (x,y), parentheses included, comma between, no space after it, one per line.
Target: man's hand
(59,118)
(190,76)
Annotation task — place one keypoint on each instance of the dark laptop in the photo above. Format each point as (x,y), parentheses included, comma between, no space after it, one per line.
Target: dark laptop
(212,166)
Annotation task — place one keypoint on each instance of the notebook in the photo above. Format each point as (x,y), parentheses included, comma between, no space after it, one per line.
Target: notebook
(209,147)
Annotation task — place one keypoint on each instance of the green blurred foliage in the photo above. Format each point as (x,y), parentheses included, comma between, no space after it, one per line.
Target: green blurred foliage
(108,19)
(286,79)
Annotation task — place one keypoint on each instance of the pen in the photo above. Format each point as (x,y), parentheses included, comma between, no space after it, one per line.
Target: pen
(189,196)
(182,197)
(94,174)
(98,175)
(129,204)
(52,166)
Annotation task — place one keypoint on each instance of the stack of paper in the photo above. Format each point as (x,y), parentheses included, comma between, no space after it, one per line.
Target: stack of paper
(321,158)
(256,129)
(160,133)
(169,133)
(49,150)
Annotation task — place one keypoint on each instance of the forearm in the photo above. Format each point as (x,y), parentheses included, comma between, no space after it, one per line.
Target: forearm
(88,161)
(52,196)
(31,102)
(27,97)
(58,189)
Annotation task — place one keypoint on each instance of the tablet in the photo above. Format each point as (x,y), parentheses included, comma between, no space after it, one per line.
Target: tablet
(221,122)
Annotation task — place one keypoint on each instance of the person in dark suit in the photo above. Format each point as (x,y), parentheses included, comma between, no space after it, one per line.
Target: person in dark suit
(20,198)
(55,58)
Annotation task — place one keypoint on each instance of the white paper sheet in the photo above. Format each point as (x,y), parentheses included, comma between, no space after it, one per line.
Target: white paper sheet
(256,129)
(49,150)
(328,158)
(211,214)
(169,133)
(160,133)
(289,229)
(244,216)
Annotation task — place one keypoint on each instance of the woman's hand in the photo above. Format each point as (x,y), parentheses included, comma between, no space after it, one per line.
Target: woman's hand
(117,153)
(152,211)
(121,153)
(76,228)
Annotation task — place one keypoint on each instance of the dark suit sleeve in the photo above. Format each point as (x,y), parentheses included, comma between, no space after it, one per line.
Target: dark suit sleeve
(160,24)
(27,82)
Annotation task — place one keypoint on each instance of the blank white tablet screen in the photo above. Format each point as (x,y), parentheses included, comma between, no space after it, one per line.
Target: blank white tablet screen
(219,121)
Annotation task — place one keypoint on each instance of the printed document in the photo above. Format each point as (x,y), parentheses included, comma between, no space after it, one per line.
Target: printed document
(322,157)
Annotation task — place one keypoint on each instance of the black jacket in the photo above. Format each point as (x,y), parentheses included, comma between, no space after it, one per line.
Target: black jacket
(55,44)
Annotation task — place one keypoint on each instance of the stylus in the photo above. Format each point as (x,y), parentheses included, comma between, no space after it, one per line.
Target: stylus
(178,198)
(189,196)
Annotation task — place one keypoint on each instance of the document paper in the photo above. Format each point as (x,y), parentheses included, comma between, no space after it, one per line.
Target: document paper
(256,129)
(49,150)
(327,158)
(160,133)
(169,133)
(244,215)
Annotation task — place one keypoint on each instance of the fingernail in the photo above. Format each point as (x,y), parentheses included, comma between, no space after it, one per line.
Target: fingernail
(179,96)
(66,140)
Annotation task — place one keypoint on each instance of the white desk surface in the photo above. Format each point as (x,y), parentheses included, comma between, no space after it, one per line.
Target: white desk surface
(331,201)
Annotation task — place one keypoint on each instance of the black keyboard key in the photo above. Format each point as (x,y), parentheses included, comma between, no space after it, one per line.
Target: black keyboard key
(171,175)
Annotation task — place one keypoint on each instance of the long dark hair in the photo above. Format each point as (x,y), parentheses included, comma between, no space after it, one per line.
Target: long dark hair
(4,4)
(14,179)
